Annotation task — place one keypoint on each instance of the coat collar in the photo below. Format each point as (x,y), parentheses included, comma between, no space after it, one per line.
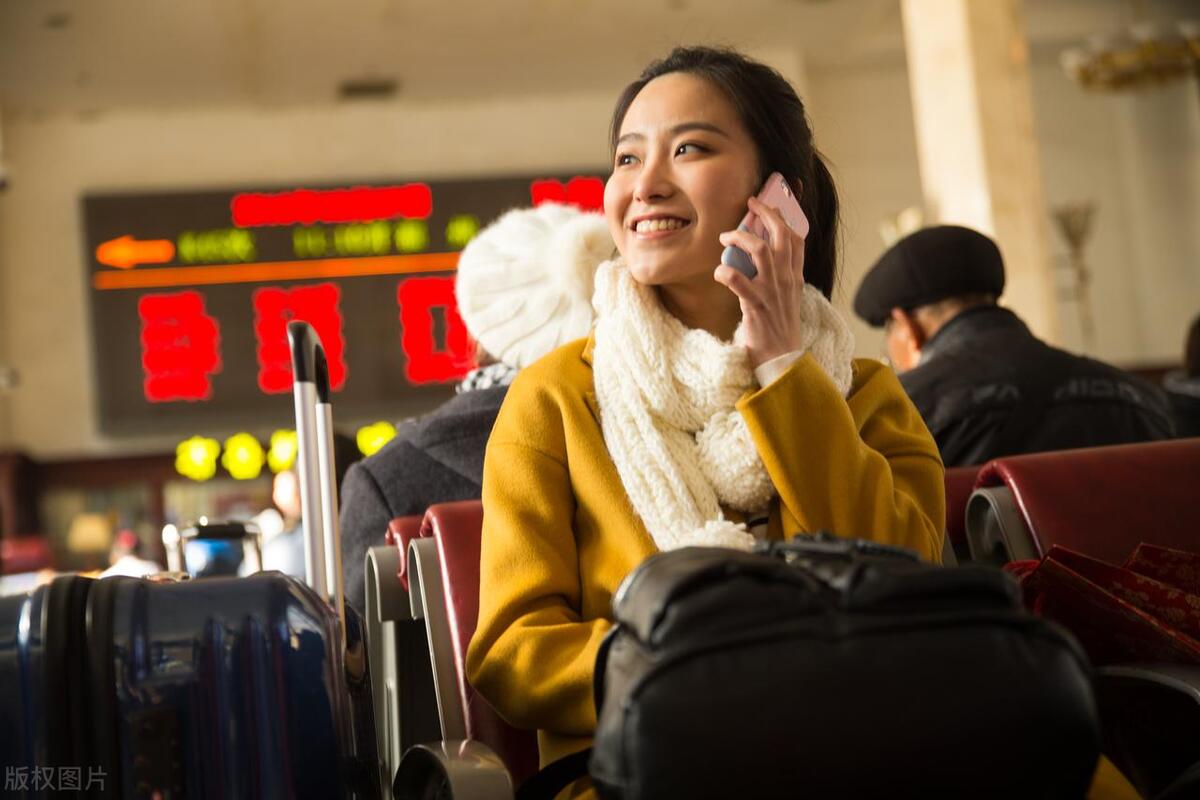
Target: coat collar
(589,347)
(589,395)
(967,326)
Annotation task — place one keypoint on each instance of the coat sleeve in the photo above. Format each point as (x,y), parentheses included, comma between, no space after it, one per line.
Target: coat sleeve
(863,467)
(532,656)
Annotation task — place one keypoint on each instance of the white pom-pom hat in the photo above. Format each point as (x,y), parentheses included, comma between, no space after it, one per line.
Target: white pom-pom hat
(524,283)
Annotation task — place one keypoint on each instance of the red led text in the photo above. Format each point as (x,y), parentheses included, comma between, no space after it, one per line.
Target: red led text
(586,194)
(425,363)
(309,206)
(274,308)
(180,347)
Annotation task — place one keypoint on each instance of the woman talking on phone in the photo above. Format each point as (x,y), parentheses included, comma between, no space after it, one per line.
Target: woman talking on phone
(707,407)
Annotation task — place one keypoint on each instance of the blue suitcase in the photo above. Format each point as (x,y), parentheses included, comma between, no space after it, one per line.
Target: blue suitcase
(228,687)
(250,687)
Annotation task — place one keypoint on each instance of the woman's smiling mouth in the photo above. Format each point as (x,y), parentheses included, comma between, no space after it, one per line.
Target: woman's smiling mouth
(658,226)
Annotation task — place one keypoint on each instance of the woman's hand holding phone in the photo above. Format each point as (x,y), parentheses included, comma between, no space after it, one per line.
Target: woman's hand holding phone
(771,300)
(777,194)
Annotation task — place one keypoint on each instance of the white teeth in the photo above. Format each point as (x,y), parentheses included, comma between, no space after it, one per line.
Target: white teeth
(651,225)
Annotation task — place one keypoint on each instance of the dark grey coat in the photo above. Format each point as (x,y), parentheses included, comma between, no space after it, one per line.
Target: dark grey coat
(436,458)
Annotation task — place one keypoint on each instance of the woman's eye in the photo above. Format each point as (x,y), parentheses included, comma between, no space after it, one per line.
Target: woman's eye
(688,147)
(624,159)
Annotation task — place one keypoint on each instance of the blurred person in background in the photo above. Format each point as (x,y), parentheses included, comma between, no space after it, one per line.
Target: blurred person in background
(523,287)
(125,557)
(985,385)
(284,551)
(1183,385)
(283,546)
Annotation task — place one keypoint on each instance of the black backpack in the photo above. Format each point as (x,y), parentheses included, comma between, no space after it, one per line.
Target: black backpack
(826,667)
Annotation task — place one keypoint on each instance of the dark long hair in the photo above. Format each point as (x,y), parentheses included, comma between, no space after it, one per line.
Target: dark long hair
(774,115)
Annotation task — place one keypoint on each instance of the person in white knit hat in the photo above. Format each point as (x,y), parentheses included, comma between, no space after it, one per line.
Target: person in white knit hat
(706,408)
(524,287)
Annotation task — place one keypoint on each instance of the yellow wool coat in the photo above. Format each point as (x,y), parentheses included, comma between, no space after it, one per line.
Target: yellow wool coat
(559,532)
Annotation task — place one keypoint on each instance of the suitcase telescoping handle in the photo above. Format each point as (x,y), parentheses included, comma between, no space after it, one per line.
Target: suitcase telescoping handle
(315,467)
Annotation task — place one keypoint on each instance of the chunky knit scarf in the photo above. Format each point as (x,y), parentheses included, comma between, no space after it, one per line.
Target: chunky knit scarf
(666,395)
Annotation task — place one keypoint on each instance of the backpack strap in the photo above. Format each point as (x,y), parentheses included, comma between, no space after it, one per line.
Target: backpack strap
(557,775)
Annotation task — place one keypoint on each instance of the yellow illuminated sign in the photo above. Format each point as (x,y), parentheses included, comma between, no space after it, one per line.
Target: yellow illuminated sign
(363,239)
(196,458)
(243,457)
(282,454)
(371,438)
(357,239)
(216,246)
(461,229)
(412,235)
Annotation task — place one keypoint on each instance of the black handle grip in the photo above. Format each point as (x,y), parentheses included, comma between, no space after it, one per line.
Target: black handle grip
(321,372)
(825,545)
(222,531)
(308,357)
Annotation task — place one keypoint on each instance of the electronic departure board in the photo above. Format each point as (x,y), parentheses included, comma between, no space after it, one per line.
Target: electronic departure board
(191,293)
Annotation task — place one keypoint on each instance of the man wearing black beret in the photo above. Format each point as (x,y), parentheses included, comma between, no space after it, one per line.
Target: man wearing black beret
(984,384)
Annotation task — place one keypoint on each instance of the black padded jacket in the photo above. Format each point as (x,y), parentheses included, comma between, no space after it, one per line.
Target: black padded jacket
(987,387)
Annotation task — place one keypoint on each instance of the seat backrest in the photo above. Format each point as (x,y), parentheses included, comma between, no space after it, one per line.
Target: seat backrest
(401,531)
(960,482)
(457,528)
(1104,501)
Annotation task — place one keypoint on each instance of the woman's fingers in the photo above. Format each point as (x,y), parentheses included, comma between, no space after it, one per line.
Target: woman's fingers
(774,222)
(736,282)
(786,243)
(756,248)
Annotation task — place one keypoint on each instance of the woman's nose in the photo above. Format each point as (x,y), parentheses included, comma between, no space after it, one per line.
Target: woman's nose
(653,182)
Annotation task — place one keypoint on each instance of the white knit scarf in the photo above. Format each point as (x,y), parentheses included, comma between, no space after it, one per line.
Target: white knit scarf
(666,395)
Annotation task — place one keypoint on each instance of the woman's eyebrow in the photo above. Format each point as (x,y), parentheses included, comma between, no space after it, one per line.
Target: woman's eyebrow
(682,127)
(685,127)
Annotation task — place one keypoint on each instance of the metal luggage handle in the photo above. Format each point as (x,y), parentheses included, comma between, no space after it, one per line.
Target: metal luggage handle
(315,467)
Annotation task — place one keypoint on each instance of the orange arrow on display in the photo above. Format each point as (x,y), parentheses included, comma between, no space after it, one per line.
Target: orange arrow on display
(125,252)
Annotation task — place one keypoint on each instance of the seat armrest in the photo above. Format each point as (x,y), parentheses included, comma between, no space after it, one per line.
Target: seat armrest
(387,603)
(1149,714)
(428,602)
(387,600)
(996,530)
(1183,679)
(461,769)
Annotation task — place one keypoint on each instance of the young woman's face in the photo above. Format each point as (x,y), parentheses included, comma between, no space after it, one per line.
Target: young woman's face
(683,169)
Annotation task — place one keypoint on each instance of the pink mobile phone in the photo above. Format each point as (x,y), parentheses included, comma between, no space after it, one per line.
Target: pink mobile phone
(778,195)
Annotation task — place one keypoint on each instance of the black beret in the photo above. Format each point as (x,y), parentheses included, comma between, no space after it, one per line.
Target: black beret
(927,266)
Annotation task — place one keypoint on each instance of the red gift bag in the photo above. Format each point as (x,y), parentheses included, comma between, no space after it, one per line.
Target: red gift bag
(1146,610)
(1177,568)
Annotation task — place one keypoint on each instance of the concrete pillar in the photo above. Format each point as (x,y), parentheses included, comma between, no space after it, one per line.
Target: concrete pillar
(968,69)
(1159,128)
